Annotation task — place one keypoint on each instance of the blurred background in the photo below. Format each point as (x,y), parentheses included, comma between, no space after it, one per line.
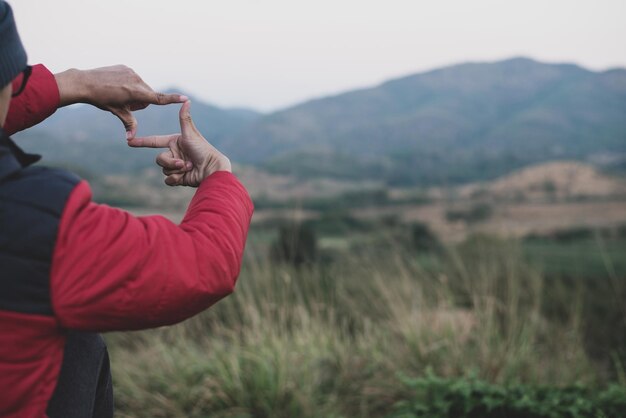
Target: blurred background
(440,193)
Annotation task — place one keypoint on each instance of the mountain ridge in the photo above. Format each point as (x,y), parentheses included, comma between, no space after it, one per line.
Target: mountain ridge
(460,123)
(462,115)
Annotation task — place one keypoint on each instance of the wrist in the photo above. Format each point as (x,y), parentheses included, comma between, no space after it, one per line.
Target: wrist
(72,87)
(219,164)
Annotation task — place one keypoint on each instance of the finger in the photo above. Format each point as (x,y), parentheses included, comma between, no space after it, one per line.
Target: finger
(138,106)
(165,98)
(174,179)
(154,141)
(187,128)
(175,151)
(168,162)
(129,121)
(168,172)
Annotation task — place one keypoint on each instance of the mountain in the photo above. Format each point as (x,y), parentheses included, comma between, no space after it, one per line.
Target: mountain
(467,122)
(455,124)
(93,141)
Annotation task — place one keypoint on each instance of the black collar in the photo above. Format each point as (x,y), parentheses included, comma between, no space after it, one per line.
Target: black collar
(12,158)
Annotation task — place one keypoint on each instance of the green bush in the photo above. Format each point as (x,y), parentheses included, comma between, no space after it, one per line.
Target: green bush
(338,223)
(573,234)
(348,200)
(296,244)
(423,239)
(477,213)
(435,397)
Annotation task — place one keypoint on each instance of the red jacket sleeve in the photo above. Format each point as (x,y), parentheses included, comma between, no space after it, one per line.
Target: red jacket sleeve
(39,100)
(114,271)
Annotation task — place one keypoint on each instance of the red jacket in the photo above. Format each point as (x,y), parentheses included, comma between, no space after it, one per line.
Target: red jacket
(114,271)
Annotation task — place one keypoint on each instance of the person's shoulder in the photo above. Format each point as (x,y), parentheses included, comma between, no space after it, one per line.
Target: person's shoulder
(41,187)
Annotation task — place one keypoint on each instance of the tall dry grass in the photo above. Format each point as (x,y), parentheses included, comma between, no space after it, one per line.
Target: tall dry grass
(332,340)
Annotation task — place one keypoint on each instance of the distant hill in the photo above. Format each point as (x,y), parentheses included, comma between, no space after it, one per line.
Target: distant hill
(465,122)
(93,141)
(554,181)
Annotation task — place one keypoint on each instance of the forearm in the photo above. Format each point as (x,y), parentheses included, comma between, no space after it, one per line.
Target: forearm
(144,272)
(72,86)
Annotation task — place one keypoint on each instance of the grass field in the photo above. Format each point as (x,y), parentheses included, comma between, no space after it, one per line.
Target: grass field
(339,337)
(495,300)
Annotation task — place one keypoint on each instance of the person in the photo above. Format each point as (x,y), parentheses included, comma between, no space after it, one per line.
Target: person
(71,268)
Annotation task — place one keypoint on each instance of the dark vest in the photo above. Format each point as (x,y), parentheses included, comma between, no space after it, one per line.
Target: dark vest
(31,202)
(32,199)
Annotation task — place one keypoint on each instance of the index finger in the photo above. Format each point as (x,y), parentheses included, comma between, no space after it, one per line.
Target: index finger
(165,98)
(154,141)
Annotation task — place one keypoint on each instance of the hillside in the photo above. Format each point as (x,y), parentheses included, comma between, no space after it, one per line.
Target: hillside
(553,180)
(465,122)
(459,124)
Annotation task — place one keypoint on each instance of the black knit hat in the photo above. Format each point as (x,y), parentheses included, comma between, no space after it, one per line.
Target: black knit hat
(12,54)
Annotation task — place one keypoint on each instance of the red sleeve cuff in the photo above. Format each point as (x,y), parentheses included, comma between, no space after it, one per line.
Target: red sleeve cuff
(39,100)
(232,186)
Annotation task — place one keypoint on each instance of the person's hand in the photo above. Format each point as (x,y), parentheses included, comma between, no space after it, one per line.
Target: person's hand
(117,89)
(189,158)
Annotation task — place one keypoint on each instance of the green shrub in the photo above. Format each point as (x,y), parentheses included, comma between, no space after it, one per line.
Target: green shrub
(337,223)
(296,244)
(573,234)
(435,397)
(423,239)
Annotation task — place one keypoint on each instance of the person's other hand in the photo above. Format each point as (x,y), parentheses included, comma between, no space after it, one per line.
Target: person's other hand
(189,158)
(117,89)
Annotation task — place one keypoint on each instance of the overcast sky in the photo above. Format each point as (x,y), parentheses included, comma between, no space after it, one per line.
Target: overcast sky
(268,54)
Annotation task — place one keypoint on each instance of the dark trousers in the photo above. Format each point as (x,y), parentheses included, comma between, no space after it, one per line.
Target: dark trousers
(84,389)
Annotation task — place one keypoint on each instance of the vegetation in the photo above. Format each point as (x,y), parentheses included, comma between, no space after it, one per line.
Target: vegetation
(423,239)
(476,213)
(435,397)
(382,332)
(296,244)
(581,258)
(349,200)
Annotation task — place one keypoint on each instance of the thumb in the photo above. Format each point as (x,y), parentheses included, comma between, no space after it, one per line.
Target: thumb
(129,121)
(187,128)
